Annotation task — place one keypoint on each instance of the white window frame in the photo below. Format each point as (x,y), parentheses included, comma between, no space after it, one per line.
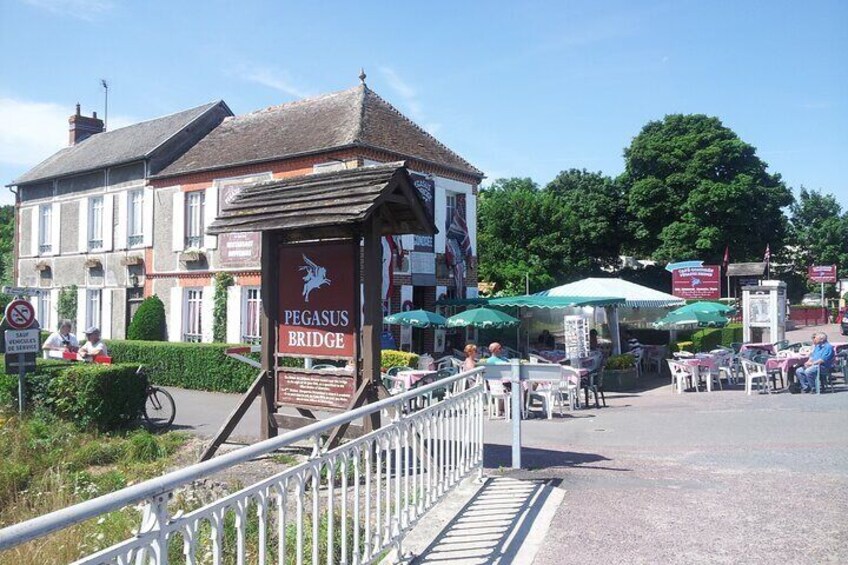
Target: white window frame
(195,207)
(251,326)
(93,307)
(44,310)
(45,229)
(193,314)
(450,207)
(96,205)
(135,218)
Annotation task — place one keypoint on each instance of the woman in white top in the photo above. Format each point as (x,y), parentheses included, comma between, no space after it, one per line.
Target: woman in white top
(60,341)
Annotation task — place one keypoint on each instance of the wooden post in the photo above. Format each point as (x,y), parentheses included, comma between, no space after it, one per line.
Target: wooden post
(373,319)
(270,290)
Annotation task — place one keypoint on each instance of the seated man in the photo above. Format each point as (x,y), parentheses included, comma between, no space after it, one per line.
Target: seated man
(93,347)
(821,360)
(60,341)
(498,357)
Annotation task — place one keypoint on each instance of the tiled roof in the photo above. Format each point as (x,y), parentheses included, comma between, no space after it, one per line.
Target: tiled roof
(122,145)
(353,117)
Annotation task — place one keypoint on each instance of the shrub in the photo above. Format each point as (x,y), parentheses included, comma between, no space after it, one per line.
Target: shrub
(198,366)
(149,321)
(102,396)
(620,362)
(219,313)
(708,339)
(391,358)
(36,383)
(66,306)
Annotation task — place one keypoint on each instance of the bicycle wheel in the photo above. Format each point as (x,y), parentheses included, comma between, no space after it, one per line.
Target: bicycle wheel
(159,408)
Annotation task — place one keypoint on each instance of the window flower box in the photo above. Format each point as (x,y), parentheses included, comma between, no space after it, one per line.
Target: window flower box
(93,263)
(42,266)
(192,255)
(131,260)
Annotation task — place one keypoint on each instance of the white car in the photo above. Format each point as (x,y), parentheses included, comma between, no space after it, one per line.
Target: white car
(811,299)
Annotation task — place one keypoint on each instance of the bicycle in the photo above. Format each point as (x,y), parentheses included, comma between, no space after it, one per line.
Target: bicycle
(159,408)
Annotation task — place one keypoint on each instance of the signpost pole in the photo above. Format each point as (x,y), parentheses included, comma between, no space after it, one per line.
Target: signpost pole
(824,306)
(372,321)
(21,382)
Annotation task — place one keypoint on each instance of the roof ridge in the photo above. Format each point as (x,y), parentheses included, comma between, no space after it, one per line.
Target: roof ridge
(290,103)
(360,118)
(162,117)
(422,130)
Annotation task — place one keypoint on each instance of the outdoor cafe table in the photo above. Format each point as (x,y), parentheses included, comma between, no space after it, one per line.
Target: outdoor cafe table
(785,364)
(695,363)
(409,378)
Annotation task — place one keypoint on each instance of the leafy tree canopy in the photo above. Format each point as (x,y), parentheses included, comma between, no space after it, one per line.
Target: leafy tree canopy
(819,232)
(693,187)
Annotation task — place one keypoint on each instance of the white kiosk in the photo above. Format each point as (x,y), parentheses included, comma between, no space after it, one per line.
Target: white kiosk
(764,307)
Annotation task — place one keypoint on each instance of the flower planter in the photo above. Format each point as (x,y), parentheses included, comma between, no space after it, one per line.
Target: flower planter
(620,379)
(191,256)
(93,263)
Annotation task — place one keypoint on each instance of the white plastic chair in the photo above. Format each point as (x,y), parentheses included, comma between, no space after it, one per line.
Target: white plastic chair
(497,393)
(680,373)
(755,372)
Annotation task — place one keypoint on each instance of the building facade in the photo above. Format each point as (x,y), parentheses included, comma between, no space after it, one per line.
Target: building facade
(171,255)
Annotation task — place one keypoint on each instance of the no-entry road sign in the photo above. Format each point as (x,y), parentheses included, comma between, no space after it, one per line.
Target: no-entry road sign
(20,314)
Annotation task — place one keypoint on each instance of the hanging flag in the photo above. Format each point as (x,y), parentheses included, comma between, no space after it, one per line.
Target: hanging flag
(458,245)
(726,261)
(767,256)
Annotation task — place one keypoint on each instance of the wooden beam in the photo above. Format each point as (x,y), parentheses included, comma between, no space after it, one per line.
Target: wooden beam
(373,319)
(235,416)
(269,291)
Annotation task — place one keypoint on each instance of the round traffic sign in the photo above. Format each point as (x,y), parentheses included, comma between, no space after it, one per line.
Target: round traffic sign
(20,314)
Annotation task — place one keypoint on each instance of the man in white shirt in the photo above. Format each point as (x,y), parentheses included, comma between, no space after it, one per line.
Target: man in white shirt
(94,346)
(60,341)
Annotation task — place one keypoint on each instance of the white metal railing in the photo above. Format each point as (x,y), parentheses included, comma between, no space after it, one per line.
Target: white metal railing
(349,504)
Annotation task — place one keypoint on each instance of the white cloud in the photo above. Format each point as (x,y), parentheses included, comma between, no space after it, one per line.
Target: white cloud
(272,78)
(31,131)
(404,90)
(88,10)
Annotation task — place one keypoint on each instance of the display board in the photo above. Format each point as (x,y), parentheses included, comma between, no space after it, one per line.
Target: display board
(822,273)
(576,337)
(317,300)
(702,282)
(330,390)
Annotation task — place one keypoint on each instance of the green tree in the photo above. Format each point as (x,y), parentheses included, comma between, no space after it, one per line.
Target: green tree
(219,312)
(148,323)
(66,306)
(819,232)
(694,187)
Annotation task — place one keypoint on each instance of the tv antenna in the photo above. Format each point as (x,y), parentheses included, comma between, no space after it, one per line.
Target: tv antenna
(105,86)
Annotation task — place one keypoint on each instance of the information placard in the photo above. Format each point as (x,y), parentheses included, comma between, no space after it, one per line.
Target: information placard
(315,389)
(697,282)
(22,341)
(822,273)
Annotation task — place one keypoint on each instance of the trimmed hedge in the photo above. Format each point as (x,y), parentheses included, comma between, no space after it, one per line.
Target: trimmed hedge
(148,323)
(710,338)
(101,396)
(391,358)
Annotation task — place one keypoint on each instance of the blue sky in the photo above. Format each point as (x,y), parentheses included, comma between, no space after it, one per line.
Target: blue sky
(517,88)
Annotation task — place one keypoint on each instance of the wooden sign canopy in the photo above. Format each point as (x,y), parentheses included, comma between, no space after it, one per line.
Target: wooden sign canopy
(301,219)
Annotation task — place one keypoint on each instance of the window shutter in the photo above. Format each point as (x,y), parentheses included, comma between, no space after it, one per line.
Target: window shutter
(471,221)
(209,214)
(36,230)
(440,217)
(178,220)
(207,307)
(122,225)
(147,217)
(81,310)
(108,221)
(175,317)
(55,228)
(235,311)
(83,225)
(106,313)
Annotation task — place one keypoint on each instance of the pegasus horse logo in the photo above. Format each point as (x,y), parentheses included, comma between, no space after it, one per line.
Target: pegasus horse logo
(315,277)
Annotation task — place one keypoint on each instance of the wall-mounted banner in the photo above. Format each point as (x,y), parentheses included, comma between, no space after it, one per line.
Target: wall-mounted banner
(822,273)
(317,299)
(427,191)
(697,282)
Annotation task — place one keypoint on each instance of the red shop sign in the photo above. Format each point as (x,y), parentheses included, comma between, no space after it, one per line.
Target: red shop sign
(697,282)
(822,273)
(317,299)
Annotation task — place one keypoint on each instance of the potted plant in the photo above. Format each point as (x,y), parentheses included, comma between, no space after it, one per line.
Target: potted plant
(620,372)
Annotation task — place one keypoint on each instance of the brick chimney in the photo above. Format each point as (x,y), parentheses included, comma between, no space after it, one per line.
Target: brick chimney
(82,127)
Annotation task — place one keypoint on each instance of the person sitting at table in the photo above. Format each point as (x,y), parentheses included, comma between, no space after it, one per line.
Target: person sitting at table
(821,360)
(60,341)
(593,340)
(546,339)
(470,362)
(498,357)
(94,347)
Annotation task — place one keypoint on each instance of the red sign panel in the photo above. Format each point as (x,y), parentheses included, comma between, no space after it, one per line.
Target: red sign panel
(239,249)
(315,389)
(697,282)
(822,273)
(317,299)
(20,314)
